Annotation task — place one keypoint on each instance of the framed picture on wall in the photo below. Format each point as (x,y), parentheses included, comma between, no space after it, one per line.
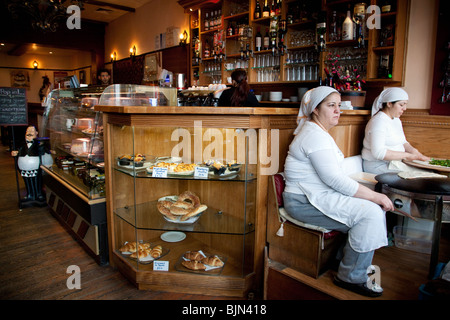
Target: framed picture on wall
(151,66)
(82,76)
(59,77)
(20,79)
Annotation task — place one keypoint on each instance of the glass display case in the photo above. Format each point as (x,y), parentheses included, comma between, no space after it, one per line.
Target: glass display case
(75,182)
(76,138)
(183,198)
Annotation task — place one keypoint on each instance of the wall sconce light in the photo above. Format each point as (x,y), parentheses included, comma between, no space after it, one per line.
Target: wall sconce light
(35,64)
(113,56)
(183,38)
(133,51)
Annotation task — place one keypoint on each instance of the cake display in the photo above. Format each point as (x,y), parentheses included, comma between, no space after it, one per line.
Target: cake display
(82,146)
(85,123)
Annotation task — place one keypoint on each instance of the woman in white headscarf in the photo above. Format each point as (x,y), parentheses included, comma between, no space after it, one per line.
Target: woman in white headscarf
(385,144)
(318,192)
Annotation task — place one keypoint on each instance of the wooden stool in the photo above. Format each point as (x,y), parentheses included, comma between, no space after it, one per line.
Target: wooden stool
(307,248)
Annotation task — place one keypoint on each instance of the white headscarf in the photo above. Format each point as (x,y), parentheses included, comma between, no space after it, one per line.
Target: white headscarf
(388,95)
(311,99)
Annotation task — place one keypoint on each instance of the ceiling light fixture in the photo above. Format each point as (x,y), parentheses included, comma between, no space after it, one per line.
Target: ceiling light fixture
(35,64)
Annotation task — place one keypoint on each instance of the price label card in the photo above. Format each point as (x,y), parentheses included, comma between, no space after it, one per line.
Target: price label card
(201,172)
(159,172)
(159,265)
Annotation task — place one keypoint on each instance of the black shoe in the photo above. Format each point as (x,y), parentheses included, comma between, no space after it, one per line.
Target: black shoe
(359,288)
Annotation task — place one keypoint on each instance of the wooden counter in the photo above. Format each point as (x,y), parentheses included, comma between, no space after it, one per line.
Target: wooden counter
(274,127)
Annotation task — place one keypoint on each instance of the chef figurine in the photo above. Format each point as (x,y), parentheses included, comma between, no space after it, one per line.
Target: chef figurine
(30,156)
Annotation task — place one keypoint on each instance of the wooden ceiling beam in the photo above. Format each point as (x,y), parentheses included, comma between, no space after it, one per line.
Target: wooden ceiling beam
(111,5)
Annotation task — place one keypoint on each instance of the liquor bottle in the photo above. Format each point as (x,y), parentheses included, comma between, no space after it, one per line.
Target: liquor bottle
(266,10)
(230,30)
(219,19)
(212,21)
(257,13)
(385,67)
(277,7)
(273,33)
(321,28)
(333,28)
(266,41)
(258,40)
(207,51)
(278,11)
(272,9)
(347,27)
(206,22)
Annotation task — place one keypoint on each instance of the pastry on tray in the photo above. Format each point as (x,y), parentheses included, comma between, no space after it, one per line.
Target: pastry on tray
(186,206)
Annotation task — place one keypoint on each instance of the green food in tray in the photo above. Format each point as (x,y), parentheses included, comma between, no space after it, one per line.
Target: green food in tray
(440,162)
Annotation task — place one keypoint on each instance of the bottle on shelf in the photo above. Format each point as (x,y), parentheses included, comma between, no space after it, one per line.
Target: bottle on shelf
(258,40)
(347,27)
(206,22)
(219,19)
(207,52)
(272,9)
(230,30)
(257,14)
(266,41)
(321,28)
(213,23)
(266,10)
(385,67)
(333,28)
(273,33)
(278,8)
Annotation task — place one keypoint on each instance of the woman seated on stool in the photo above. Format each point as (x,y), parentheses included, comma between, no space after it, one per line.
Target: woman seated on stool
(385,144)
(239,95)
(318,192)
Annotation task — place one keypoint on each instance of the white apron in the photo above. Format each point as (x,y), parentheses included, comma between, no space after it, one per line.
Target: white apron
(366,219)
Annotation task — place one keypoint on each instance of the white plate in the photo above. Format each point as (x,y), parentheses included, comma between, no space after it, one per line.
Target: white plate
(173,236)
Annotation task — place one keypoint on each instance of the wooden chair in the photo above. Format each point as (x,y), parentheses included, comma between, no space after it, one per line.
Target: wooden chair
(307,248)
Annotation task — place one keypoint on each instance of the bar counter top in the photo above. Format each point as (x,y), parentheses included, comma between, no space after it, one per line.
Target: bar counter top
(211,110)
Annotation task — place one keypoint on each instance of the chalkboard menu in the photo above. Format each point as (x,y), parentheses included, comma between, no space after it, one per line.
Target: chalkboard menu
(13,106)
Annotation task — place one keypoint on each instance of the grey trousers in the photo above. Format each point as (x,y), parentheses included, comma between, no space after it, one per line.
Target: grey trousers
(353,265)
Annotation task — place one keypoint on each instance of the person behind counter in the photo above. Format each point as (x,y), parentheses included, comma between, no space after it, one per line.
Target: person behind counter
(239,95)
(104,77)
(318,192)
(385,144)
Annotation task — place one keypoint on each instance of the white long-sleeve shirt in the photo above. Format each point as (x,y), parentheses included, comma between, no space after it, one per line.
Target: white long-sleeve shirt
(315,160)
(313,168)
(382,133)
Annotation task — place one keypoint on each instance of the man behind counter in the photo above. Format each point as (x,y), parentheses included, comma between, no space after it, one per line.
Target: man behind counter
(104,77)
